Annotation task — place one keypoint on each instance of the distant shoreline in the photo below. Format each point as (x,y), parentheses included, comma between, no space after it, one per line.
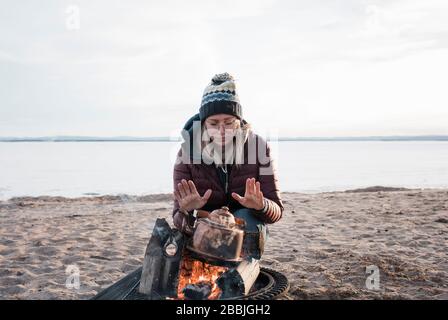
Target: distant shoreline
(150,197)
(178,139)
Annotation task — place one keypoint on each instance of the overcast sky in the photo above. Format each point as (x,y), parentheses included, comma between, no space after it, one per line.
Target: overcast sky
(303,68)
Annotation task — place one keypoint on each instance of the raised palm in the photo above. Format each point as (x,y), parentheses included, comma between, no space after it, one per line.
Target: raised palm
(188,196)
(253,197)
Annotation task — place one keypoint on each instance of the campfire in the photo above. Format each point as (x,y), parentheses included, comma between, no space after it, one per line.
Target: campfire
(197,280)
(176,267)
(210,265)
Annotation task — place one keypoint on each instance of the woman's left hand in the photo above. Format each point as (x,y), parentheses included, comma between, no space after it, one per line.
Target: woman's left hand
(253,197)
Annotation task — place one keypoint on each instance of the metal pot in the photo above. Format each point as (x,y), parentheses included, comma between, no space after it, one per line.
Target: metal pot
(218,237)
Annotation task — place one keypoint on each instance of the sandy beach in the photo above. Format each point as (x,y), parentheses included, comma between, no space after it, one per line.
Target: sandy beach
(323,244)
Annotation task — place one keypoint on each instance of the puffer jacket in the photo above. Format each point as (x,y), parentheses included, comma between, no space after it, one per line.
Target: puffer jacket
(205,176)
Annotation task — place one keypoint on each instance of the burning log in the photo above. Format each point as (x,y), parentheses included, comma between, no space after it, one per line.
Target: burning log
(194,271)
(197,291)
(239,280)
(161,265)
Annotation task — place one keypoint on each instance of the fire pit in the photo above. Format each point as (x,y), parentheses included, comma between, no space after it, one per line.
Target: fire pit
(172,269)
(269,285)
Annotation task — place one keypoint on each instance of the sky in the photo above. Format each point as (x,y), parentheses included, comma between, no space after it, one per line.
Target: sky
(302,68)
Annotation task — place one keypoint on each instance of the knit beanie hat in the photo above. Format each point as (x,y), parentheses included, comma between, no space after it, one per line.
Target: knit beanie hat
(220,97)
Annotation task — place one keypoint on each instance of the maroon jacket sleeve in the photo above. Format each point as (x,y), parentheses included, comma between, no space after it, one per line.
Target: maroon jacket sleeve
(273,209)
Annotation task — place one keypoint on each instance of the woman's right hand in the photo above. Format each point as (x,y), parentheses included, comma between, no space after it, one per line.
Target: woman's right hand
(188,197)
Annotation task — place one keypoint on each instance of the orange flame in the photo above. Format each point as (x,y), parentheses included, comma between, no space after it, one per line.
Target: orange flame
(194,271)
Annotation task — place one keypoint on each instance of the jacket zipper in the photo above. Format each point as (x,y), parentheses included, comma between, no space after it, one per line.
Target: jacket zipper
(227,179)
(227,183)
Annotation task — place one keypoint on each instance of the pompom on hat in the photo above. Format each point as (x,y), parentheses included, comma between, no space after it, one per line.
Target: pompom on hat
(220,97)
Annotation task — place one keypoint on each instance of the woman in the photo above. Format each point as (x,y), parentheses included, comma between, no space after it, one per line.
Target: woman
(223,163)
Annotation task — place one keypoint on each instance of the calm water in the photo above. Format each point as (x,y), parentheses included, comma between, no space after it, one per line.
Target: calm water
(76,168)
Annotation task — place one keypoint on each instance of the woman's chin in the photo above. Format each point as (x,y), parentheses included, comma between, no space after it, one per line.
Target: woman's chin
(224,143)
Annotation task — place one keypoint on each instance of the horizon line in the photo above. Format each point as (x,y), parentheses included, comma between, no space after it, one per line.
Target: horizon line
(73,138)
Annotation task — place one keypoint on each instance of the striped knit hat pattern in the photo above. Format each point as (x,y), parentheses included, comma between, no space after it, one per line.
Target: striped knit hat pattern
(220,97)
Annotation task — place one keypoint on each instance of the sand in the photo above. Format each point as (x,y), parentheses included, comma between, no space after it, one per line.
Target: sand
(323,244)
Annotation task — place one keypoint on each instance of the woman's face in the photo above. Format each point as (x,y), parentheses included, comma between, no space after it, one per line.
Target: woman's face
(222,127)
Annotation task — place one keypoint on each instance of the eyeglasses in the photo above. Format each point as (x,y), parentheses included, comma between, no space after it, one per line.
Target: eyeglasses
(230,124)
